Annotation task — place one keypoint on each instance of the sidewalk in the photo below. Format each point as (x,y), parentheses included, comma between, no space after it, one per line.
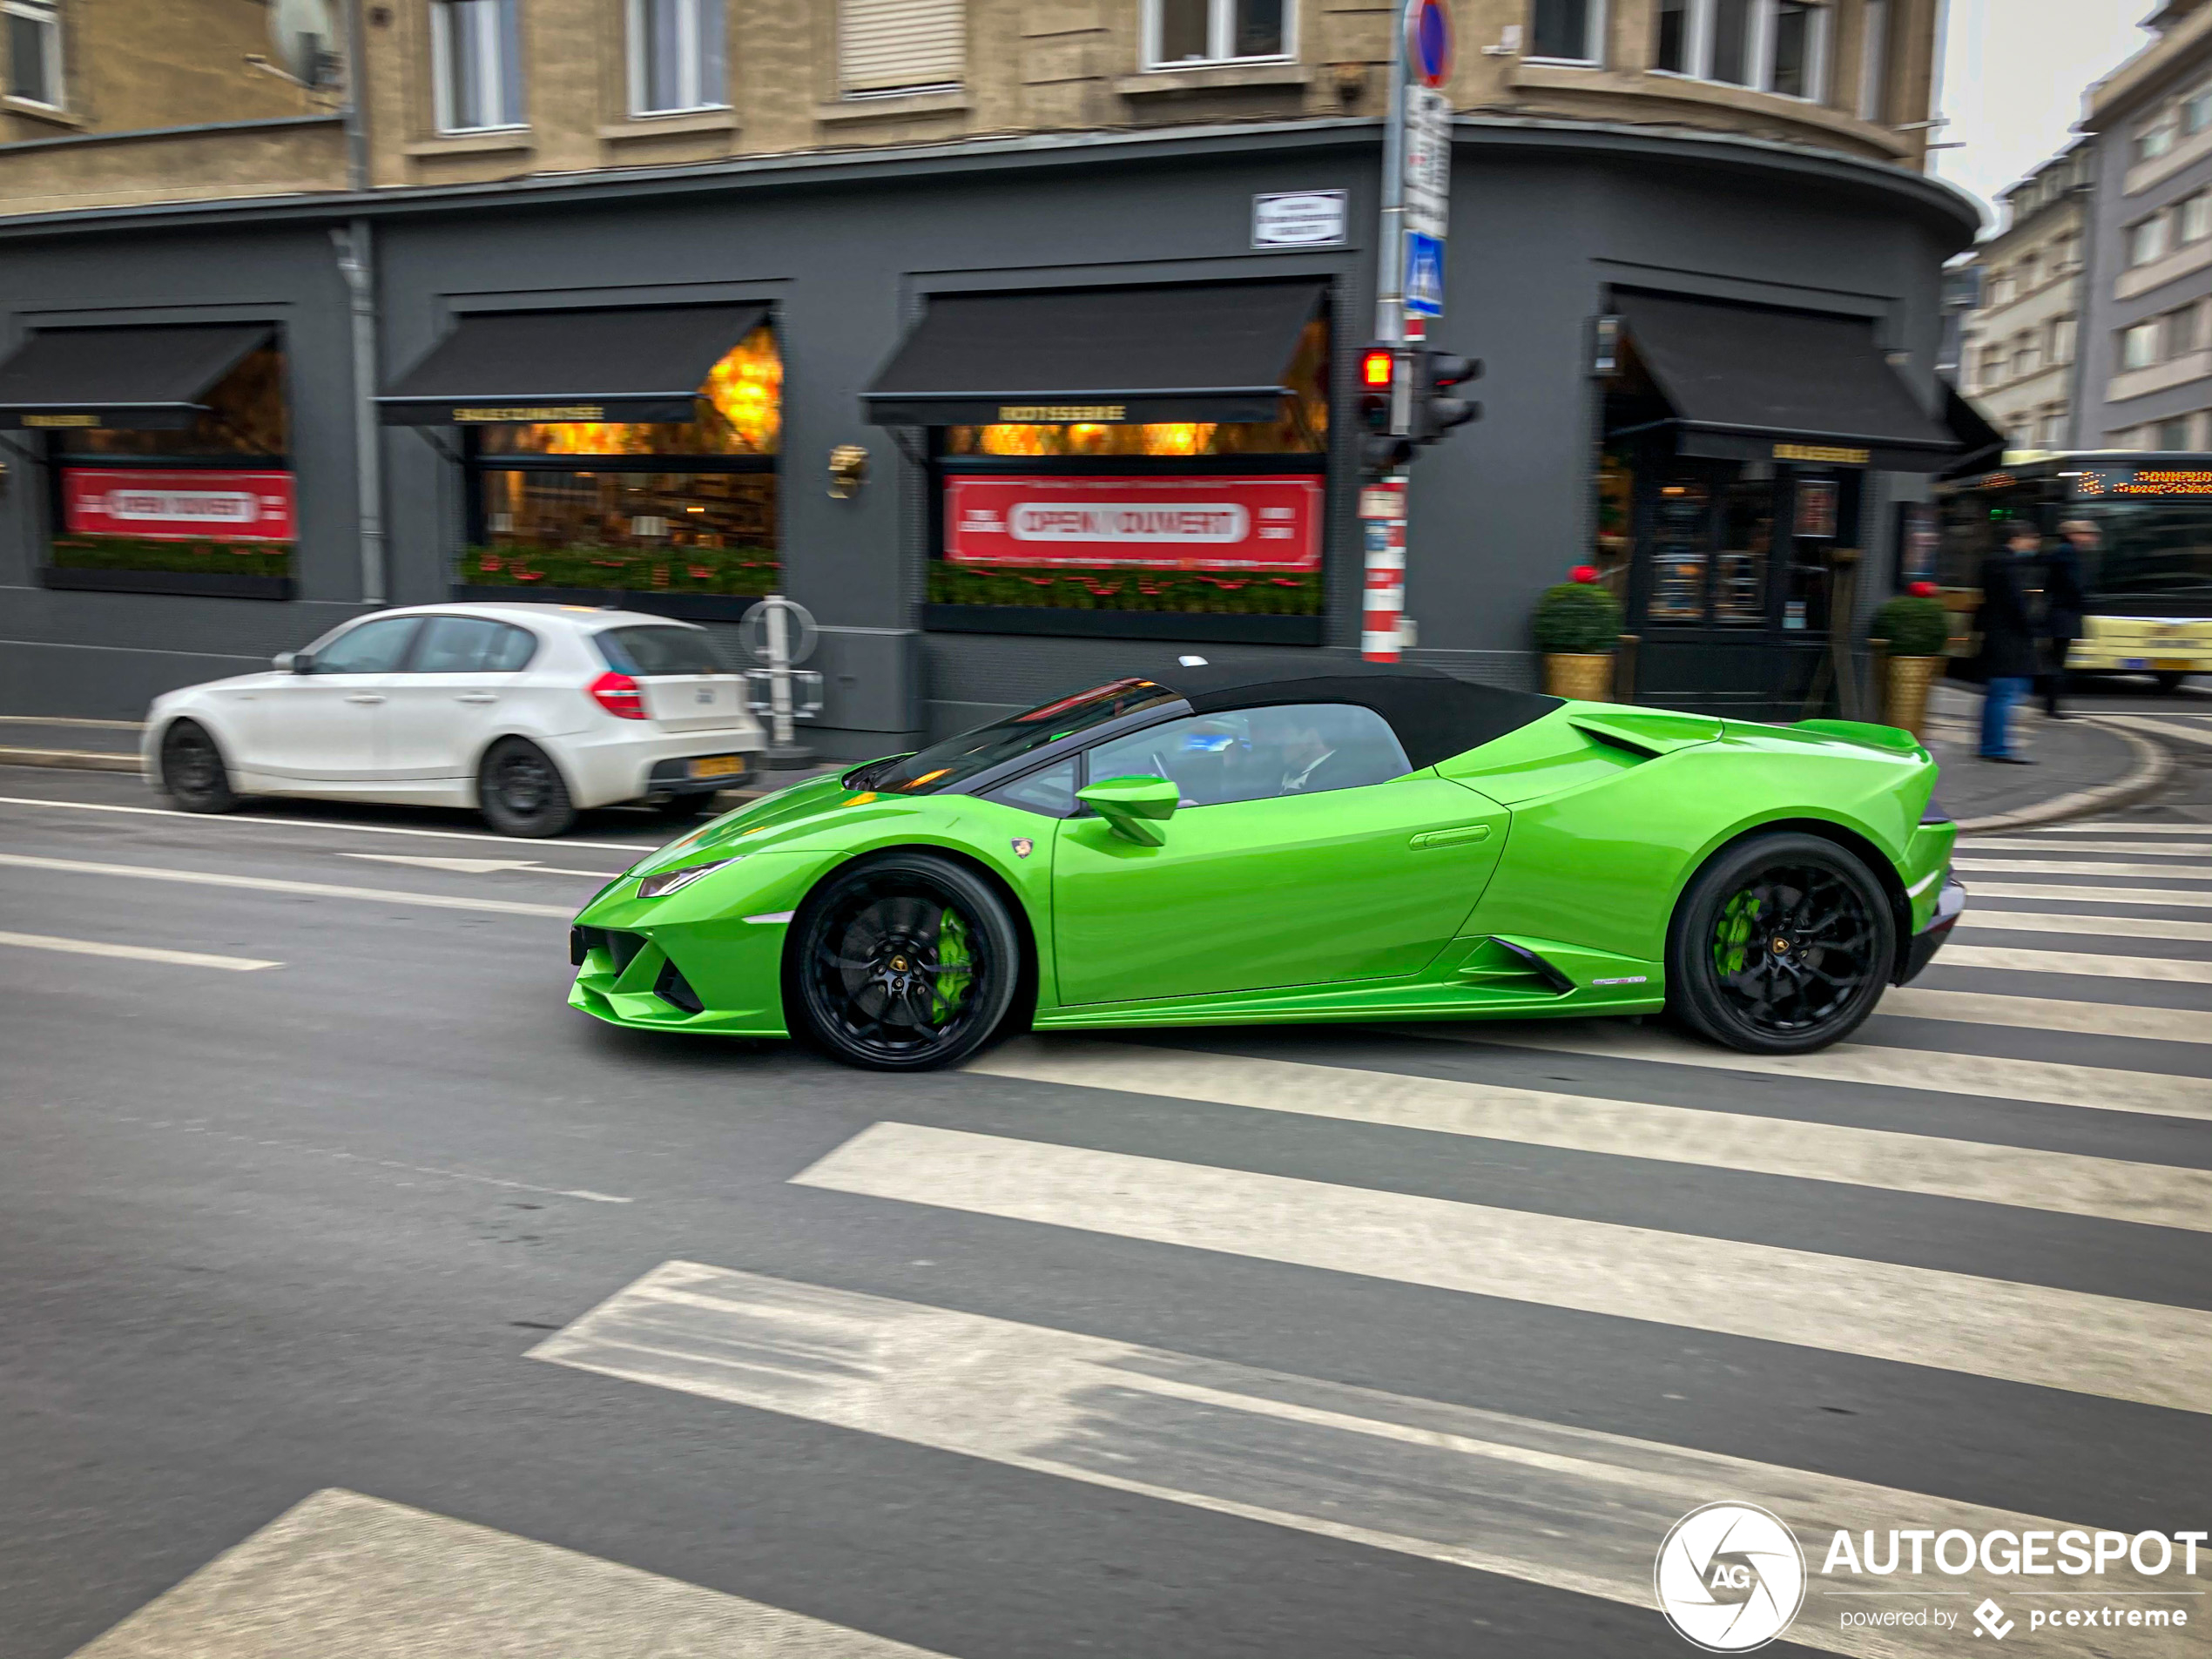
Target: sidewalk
(2083,765)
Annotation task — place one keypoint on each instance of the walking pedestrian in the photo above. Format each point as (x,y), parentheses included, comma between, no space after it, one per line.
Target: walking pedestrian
(2076,546)
(2008,637)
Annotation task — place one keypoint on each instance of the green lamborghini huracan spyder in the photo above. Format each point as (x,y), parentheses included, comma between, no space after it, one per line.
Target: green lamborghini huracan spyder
(1342,841)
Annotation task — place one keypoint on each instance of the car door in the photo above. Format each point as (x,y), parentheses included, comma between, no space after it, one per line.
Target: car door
(445,709)
(326,726)
(1305,853)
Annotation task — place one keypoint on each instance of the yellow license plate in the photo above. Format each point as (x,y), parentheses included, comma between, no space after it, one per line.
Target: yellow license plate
(718,766)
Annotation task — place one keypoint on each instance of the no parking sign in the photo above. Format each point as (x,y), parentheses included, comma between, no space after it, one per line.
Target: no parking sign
(1428,41)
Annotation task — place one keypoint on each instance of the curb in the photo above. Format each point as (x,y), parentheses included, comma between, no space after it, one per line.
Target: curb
(73,759)
(2153,765)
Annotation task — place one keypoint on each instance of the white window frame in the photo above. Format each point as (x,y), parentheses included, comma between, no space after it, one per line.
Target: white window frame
(2148,331)
(491,91)
(1596,19)
(1873,58)
(48,13)
(2066,333)
(1221,31)
(1697,50)
(691,63)
(2168,123)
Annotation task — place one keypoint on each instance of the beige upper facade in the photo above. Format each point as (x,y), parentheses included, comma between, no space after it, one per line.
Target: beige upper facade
(118,102)
(2018,347)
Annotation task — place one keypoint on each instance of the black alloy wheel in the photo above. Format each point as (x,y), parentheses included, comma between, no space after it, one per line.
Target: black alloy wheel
(905,963)
(192,773)
(1782,944)
(520,791)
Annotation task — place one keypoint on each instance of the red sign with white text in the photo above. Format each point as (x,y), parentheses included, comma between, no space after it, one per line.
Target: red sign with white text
(1152,523)
(180,506)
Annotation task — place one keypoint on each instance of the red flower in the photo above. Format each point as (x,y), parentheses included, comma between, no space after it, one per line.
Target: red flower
(1922,590)
(1582,573)
(490,562)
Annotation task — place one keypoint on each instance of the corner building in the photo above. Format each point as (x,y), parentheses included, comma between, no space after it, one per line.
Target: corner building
(998,347)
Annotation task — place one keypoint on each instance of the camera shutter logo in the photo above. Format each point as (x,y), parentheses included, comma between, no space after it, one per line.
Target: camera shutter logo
(1730,1577)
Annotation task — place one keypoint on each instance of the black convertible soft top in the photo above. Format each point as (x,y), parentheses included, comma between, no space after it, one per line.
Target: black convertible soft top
(1434,715)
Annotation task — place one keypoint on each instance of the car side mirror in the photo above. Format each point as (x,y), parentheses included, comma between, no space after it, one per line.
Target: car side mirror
(1137,809)
(294,661)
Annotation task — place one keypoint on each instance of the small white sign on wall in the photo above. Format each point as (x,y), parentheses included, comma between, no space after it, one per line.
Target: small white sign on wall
(1298,218)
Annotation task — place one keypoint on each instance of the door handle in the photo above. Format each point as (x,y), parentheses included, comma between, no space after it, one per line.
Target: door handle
(477,697)
(365,697)
(1460,836)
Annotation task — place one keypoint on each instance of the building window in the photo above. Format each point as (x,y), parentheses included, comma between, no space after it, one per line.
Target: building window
(2023,361)
(2196,217)
(901,46)
(1873,51)
(2175,434)
(2054,428)
(2156,139)
(2139,345)
(2147,240)
(33,52)
(1214,32)
(2196,112)
(476,51)
(1993,366)
(2180,332)
(2004,288)
(2066,256)
(2030,272)
(1571,31)
(675,58)
(2062,336)
(1778,46)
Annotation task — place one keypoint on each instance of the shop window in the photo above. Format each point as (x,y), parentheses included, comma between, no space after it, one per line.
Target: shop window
(901,46)
(1746,547)
(1742,547)
(1778,46)
(676,57)
(213,499)
(477,60)
(1205,517)
(644,507)
(1571,31)
(1873,51)
(1182,32)
(33,52)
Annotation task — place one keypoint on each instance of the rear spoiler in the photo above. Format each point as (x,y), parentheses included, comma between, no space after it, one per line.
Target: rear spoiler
(1893,739)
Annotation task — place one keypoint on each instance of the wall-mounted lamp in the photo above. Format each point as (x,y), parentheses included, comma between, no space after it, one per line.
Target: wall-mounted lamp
(848,471)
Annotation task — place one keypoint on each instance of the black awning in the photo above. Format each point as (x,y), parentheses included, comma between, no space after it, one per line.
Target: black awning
(1195,352)
(621,363)
(144,378)
(1757,384)
(1981,444)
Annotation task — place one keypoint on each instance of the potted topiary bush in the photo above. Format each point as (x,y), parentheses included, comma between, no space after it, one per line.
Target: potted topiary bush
(1578,623)
(1916,628)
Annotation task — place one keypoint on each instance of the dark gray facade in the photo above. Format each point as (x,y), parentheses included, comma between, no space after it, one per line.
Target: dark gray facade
(1548,217)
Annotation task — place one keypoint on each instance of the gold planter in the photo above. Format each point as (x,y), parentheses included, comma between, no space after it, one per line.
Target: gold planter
(1904,691)
(1584,675)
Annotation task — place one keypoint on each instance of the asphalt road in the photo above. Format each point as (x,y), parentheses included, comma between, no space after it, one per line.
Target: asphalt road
(371,1302)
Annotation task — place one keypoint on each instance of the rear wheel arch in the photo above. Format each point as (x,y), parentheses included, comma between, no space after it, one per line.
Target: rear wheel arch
(1877,863)
(546,746)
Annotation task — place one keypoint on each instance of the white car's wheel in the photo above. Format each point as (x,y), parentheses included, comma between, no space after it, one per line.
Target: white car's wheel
(520,791)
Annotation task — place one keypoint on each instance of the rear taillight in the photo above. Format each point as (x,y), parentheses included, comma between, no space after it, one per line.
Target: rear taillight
(619,696)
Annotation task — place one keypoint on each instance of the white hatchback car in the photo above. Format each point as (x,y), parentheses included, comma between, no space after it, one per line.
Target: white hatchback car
(527,712)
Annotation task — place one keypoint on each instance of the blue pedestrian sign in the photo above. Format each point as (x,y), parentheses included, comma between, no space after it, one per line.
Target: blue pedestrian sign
(1424,275)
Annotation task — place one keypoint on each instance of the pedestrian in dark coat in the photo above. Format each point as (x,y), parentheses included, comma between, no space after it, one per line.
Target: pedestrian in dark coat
(2077,544)
(2009,638)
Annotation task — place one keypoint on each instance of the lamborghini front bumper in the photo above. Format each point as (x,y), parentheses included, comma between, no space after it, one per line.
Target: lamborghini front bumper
(1951,905)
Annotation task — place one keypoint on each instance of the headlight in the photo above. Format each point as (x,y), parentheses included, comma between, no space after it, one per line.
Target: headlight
(666,881)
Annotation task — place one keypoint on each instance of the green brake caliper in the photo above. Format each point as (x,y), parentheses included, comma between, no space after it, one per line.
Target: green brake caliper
(1732,935)
(950,990)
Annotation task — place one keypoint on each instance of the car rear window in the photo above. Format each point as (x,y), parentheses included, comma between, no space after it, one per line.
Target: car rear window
(658,650)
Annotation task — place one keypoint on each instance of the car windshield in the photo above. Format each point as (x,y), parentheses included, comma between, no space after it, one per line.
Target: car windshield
(948,765)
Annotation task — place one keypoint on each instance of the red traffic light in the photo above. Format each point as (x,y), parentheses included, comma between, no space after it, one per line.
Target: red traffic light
(1378,367)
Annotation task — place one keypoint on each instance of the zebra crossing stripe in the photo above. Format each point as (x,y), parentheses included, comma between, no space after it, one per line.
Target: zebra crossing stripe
(340,1575)
(2158,1195)
(2049,1013)
(2037,921)
(1984,1076)
(2066,961)
(2145,849)
(1986,1328)
(1573,1508)
(2161,728)
(2179,872)
(2115,826)
(2183,898)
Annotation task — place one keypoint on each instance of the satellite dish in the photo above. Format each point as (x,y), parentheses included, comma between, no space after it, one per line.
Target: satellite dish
(303,39)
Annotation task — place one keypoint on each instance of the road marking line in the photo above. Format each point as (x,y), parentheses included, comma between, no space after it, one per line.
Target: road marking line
(2038,921)
(56,720)
(2081,867)
(2023,844)
(270,884)
(2118,827)
(2061,962)
(2049,1013)
(2161,728)
(341,1575)
(2175,898)
(321,824)
(479,866)
(1920,1316)
(2153,1194)
(1574,1508)
(135,953)
(1983,1076)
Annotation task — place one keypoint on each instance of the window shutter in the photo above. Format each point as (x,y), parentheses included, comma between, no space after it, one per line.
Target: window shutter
(884,45)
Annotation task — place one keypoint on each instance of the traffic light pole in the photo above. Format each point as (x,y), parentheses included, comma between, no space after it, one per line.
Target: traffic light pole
(1382,503)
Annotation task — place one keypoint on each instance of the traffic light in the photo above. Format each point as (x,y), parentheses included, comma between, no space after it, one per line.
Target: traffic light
(1436,411)
(1381,450)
